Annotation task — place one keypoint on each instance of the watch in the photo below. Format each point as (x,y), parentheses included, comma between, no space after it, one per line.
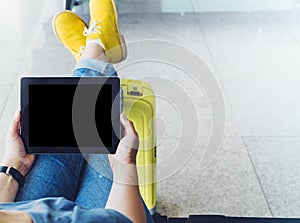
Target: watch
(14,173)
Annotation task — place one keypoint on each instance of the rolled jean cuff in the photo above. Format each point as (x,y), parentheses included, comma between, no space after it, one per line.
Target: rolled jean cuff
(99,67)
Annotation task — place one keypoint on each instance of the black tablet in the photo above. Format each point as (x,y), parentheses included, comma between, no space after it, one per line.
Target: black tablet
(70,114)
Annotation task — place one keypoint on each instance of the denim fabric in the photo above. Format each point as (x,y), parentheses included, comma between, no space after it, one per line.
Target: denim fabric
(69,176)
(61,210)
(93,68)
(53,176)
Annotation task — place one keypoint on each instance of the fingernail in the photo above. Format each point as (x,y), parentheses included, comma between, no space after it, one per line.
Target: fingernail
(124,117)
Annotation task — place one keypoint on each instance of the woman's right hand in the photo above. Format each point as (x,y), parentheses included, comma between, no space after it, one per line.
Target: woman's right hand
(125,156)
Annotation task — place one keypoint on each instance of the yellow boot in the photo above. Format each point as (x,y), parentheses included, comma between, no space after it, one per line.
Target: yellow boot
(68,28)
(104,27)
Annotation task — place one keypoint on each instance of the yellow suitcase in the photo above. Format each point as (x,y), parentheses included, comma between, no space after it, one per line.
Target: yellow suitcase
(139,106)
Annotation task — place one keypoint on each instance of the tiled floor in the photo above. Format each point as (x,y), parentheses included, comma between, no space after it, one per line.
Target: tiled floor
(253,56)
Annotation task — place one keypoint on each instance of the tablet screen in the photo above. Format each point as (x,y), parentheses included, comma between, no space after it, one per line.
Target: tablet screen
(50,115)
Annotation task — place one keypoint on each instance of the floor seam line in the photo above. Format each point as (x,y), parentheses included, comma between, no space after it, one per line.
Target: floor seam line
(257,176)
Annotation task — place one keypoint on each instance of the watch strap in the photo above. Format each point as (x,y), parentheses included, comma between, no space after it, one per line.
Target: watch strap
(14,173)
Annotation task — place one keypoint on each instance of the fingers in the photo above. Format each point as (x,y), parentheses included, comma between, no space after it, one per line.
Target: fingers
(128,125)
(15,124)
(123,119)
(123,130)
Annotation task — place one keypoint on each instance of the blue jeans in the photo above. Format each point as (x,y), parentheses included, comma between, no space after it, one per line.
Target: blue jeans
(86,180)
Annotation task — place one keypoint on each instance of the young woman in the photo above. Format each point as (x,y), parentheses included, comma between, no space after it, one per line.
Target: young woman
(65,188)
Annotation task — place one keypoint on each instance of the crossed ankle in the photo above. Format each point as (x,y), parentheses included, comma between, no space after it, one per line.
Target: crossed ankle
(97,41)
(94,50)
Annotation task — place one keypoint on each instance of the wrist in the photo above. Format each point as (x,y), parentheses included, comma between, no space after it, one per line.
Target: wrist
(125,174)
(17,165)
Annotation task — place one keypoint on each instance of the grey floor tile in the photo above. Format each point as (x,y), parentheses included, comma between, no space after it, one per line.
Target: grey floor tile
(4,92)
(20,23)
(175,153)
(49,61)
(170,26)
(265,108)
(276,160)
(230,27)
(46,37)
(138,6)
(256,60)
(202,51)
(186,116)
(186,62)
(11,107)
(47,56)
(290,20)
(182,109)
(193,110)
(228,186)
(11,60)
(232,125)
(2,148)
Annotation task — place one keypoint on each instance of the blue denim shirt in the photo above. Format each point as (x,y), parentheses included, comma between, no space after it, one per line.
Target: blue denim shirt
(61,210)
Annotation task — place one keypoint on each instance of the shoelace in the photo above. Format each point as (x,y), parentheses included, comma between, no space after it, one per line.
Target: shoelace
(81,51)
(94,28)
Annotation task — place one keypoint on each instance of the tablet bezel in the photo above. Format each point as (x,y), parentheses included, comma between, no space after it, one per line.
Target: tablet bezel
(113,81)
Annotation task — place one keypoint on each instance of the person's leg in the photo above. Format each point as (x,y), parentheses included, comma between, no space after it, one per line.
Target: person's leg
(104,44)
(95,185)
(92,63)
(94,51)
(60,175)
(104,30)
(96,182)
(53,176)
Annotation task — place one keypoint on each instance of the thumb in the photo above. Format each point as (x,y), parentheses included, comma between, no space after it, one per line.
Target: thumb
(128,125)
(14,125)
